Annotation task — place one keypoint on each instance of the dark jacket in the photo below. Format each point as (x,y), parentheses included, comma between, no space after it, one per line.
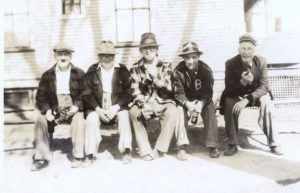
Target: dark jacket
(93,92)
(233,86)
(185,84)
(46,97)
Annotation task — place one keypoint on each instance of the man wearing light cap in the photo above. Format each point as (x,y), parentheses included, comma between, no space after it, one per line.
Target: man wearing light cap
(193,84)
(246,85)
(106,98)
(58,100)
(153,97)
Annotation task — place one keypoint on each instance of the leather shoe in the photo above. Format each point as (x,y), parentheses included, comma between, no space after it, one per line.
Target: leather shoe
(181,155)
(76,163)
(127,159)
(147,157)
(275,151)
(213,152)
(232,149)
(157,154)
(38,165)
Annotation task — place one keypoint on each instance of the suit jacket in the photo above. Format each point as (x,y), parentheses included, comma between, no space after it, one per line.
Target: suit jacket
(185,84)
(46,97)
(93,92)
(233,86)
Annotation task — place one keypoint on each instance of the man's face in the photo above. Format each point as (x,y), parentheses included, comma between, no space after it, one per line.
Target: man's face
(247,51)
(63,59)
(191,60)
(149,53)
(106,60)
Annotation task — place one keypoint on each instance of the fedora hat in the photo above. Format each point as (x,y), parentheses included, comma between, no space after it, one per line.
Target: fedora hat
(63,47)
(190,47)
(106,47)
(148,40)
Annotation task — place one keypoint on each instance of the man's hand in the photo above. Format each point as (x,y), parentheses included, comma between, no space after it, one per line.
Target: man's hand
(190,105)
(147,111)
(199,106)
(247,78)
(102,115)
(72,111)
(112,111)
(239,106)
(49,116)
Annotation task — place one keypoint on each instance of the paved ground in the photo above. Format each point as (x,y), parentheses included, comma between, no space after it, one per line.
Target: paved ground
(253,169)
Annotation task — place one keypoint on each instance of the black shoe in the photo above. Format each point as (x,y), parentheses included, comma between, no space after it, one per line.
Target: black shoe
(275,151)
(232,149)
(126,159)
(213,152)
(39,164)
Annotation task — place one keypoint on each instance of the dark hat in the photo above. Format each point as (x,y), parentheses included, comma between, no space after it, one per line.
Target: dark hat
(190,47)
(148,40)
(248,38)
(106,47)
(62,47)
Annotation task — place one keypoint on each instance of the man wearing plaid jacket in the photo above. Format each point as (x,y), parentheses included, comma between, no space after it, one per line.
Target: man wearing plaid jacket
(153,97)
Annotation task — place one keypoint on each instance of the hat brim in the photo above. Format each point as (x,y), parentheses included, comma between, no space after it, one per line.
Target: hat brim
(107,53)
(63,50)
(148,45)
(198,52)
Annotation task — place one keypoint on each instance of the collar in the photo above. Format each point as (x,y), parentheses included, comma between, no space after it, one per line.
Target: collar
(58,70)
(114,65)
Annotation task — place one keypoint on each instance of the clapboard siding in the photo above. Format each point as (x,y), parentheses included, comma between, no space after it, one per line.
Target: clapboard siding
(213,24)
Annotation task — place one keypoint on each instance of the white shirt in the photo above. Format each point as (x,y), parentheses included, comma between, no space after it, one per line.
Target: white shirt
(107,76)
(62,81)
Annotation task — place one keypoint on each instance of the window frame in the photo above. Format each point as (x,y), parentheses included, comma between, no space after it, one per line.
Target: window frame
(14,47)
(71,16)
(131,43)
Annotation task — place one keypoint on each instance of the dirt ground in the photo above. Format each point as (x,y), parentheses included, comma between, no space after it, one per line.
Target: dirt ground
(252,169)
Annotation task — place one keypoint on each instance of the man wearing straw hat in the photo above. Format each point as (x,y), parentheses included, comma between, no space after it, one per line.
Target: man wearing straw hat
(106,97)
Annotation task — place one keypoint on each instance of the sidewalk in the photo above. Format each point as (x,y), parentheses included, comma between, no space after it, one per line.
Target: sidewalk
(253,169)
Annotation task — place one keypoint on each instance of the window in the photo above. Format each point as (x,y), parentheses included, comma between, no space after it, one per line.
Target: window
(132,19)
(71,7)
(16,25)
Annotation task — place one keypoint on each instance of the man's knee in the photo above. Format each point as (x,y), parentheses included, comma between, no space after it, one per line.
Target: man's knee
(41,120)
(265,100)
(92,118)
(123,115)
(171,111)
(134,112)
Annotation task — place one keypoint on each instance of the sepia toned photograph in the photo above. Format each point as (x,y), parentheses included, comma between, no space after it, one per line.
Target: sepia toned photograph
(150,96)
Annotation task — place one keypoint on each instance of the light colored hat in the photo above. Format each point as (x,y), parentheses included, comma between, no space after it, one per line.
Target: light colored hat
(63,47)
(148,40)
(106,47)
(190,47)
(248,38)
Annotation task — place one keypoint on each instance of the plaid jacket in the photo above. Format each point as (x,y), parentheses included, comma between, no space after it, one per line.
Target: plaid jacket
(146,88)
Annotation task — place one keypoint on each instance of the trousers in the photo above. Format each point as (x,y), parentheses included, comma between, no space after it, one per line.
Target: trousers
(93,124)
(42,137)
(265,120)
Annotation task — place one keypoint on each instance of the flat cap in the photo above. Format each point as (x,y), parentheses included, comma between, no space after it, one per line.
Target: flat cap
(106,47)
(247,38)
(62,47)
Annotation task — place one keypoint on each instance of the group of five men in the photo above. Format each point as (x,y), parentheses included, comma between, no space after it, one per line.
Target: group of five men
(111,93)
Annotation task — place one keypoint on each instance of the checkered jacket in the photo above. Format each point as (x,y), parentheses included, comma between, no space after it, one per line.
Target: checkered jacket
(145,87)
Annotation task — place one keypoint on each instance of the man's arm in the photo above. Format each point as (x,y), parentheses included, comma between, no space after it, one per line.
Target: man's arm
(178,88)
(137,95)
(42,100)
(126,97)
(87,93)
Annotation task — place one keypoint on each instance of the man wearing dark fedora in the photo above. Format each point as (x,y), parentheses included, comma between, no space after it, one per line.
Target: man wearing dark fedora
(106,98)
(58,100)
(193,84)
(153,97)
(246,85)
